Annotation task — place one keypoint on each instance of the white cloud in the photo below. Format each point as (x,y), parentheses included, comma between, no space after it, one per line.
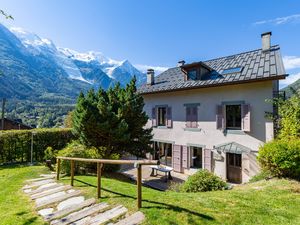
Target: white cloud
(289,80)
(291,62)
(157,69)
(280,20)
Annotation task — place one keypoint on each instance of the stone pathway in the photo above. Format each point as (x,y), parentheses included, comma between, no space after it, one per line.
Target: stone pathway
(60,204)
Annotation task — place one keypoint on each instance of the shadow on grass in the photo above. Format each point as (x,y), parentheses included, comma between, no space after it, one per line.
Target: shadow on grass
(159,205)
(30,221)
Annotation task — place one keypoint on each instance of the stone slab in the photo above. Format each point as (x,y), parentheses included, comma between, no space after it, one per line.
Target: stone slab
(60,213)
(81,214)
(44,188)
(69,202)
(50,191)
(109,215)
(133,219)
(47,202)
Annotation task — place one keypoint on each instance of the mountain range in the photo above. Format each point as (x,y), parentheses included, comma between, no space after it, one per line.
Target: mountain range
(35,68)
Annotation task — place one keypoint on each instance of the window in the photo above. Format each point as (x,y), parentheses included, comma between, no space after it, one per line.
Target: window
(192,74)
(232,70)
(233,117)
(191,116)
(162,116)
(234,159)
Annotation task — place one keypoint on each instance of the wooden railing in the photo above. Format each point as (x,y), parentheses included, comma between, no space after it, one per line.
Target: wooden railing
(137,164)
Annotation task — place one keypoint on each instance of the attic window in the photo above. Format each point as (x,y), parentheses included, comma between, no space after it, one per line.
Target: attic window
(232,70)
(192,74)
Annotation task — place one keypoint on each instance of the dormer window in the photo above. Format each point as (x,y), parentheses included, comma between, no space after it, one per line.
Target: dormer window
(192,74)
(196,71)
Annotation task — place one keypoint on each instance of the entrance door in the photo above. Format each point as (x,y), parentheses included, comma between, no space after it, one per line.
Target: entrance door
(234,167)
(196,157)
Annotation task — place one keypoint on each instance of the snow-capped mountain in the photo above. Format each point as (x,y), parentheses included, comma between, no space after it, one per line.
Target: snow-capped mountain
(90,67)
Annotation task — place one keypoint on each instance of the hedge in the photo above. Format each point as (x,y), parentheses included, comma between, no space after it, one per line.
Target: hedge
(15,145)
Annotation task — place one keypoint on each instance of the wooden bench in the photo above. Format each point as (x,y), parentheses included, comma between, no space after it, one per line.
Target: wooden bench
(165,169)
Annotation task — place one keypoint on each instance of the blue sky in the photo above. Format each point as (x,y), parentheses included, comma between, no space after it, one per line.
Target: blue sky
(159,33)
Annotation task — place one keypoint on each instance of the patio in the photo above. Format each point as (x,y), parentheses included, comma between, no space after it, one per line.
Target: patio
(158,182)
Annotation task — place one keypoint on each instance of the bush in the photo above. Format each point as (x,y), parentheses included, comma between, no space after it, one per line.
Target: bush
(15,145)
(203,180)
(75,149)
(281,158)
(50,154)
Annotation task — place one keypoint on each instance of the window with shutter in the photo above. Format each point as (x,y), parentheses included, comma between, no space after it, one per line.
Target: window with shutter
(154,119)
(191,116)
(220,117)
(207,159)
(246,117)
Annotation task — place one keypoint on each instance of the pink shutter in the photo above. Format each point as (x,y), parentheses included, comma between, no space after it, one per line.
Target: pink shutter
(188,117)
(177,158)
(185,157)
(169,117)
(220,117)
(246,118)
(154,120)
(207,159)
(194,112)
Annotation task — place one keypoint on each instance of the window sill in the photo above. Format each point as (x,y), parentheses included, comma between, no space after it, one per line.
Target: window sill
(162,127)
(240,132)
(192,129)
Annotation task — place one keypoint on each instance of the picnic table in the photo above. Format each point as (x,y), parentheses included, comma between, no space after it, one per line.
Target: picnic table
(165,169)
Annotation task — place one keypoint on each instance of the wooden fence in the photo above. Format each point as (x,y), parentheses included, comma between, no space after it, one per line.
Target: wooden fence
(137,164)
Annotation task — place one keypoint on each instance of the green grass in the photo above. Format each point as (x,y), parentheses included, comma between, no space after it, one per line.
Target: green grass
(264,202)
(15,207)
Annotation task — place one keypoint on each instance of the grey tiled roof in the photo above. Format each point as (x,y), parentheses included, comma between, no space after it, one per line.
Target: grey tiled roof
(257,65)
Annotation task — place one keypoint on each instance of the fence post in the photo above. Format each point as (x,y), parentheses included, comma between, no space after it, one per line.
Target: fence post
(57,169)
(139,186)
(72,172)
(99,168)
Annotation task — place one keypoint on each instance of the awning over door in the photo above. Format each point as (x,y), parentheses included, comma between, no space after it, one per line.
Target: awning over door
(233,147)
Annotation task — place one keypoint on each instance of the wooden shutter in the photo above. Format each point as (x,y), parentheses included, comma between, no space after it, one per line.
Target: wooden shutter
(185,157)
(207,159)
(169,117)
(177,158)
(246,117)
(188,117)
(194,112)
(220,117)
(154,118)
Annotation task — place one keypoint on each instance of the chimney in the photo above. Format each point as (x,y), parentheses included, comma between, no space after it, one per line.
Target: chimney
(150,76)
(180,63)
(266,41)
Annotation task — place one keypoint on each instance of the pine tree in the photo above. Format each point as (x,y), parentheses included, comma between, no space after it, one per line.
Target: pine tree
(113,119)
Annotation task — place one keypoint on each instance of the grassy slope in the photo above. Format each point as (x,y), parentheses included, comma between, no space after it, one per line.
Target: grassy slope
(265,202)
(14,205)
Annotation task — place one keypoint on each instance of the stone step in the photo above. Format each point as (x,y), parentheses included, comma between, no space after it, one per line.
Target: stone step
(44,187)
(46,202)
(38,183)
(134,219)
(50,191)
(38,179)
(64,212)
(108,216)
(86,212)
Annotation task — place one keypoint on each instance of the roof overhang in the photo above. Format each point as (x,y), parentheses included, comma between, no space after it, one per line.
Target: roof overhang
(232,147)
(195,64)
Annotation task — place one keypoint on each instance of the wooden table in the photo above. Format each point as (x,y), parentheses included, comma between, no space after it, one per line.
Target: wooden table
(165,169)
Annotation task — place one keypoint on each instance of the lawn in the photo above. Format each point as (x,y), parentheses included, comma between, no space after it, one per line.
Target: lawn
(264,202)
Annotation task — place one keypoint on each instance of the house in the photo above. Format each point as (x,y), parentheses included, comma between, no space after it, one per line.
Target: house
(9,124)
(213,114)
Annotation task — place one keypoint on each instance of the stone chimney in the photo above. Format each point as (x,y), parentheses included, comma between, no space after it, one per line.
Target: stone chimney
(266,41)
(180,63)
(150,76)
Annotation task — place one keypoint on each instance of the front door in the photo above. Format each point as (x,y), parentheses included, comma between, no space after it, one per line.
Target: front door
(234,167)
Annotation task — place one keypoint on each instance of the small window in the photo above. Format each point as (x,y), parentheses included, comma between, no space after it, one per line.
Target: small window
(191,116)
(192,74)
(162,116)
(233,117)
(232,70)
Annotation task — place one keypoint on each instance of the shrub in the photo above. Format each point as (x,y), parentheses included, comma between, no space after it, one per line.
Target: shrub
(75,149)
(203,180)
(50,154)
(15,145)
(281,158)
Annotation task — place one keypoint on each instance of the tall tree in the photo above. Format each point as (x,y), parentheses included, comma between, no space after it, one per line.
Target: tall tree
(113,119)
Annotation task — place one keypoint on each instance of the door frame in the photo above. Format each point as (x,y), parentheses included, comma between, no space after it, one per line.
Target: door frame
(227,163)
(189,145)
